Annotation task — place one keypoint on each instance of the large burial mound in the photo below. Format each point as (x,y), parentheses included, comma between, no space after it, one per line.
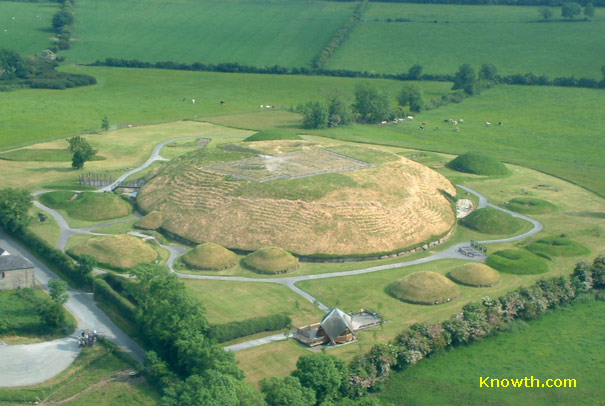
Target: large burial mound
(424,288)
(305,198)
(475,274)
(477,164)
(120,251)
(210,257)
(492,221)
(271,260)
(530,205)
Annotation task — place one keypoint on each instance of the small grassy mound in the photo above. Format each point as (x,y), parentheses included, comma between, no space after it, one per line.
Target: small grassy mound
(271,260)
(517,262)
(475,274)
(477,164)
(424,288)
(492,221)
(273,134)
(88,205)
(530,205)
(557,247)
(210,257)
(151,221)
(120,251)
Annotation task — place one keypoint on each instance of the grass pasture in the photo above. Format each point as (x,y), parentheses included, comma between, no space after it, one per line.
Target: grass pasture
(30,31)
(286,33)
(568,343)
(273,134)
(530,205)
(443,37)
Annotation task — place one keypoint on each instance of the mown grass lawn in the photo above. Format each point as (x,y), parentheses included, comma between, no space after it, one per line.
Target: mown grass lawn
(566,344)
(443,37)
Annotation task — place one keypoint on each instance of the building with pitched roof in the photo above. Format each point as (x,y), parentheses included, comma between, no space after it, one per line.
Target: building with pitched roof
(16,272)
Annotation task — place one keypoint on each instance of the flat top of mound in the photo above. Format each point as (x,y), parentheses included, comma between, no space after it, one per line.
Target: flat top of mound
(87,205)
(558,247)
(273,134)
(271,260)
(424,287)
(530,205)
(307,198)
(475,274)
(517,262)
(150,221)
(477,164)
(492,221)
(210,256)
(118,251)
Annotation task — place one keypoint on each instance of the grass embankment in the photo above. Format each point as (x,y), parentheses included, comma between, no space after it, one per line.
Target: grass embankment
(557,247)
(477,164)
(424,288)
(20,322)
(492,221)
(485,31)
(99,376)
(118,252)
(517,262)
(87,205)
(151,221)
(568,343)
(210,257)
(273,134)
(271,260)
(475,274)
(530,205)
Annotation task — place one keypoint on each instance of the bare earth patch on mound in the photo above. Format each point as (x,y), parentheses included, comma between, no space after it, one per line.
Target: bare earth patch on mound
(389,203)
(475,274)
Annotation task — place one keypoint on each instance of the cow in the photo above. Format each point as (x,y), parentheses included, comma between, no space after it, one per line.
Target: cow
(410,117)
(222,102)
(487,123)
(192,101)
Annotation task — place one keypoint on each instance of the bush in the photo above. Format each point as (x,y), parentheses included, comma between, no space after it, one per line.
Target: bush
(517,262)
(103,292)
(492,221)
(477,164)
(236,329)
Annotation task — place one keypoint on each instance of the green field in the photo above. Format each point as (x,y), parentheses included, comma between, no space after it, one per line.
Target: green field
(568,343)
(268,32)
(30,31)
(443,37)
(552,129)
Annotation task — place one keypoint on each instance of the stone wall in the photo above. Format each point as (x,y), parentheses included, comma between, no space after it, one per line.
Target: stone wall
(17,279)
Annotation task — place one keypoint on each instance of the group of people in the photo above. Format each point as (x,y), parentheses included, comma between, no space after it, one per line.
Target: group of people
(87,339)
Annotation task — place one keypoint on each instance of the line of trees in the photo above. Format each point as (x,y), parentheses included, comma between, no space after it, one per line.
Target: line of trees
(321,60)
(569,10)
(529,79)
(478,320)
(62,23)
(550,3)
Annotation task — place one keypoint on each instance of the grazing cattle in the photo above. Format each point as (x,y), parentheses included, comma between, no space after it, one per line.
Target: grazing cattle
(222,102)
(383,122)
(421,127)
(487,123)
(499,122)
(457,129)
(461,120)
(454,122)
(410,117)
(184,99)
(400,120)
(447,121)
(424,123)
(261,106)
(192,101)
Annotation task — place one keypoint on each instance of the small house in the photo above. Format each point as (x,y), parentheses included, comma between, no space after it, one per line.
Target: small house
(16,272)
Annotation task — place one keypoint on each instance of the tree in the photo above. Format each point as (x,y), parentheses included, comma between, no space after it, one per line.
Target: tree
(488,72)
(286,392)
(571,10)
(58,291)
(84,268)
(411,94)
(78,160)
(465,79)
(211,389)
(12,65)
(324,374)
(81,151)
(315,115)
(338,111)
(545,12)
(589,11)
(62,18)
(51,313)
(14,207)
(414,72)
(370,104)
(105,124)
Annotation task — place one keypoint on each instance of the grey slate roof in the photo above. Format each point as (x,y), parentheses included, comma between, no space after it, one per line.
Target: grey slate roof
(1,250)
(14,262)
(335,323)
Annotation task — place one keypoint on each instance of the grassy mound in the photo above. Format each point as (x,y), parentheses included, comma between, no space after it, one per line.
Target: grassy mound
(424,288)
(557,247)
(151,221)
(120,251)
(475,274)
(273,134)
(492,221)
(530,205)
(210,257)
(477,164)
(88,205)
(271,260)
(517,262)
